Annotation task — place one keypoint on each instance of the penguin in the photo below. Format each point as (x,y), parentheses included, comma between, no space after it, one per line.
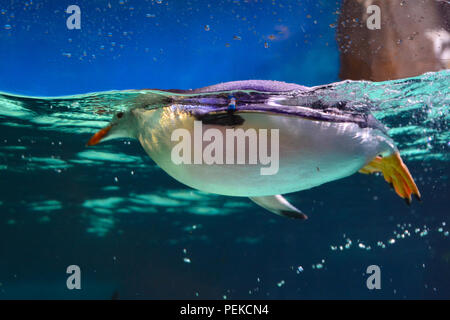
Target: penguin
(260,139)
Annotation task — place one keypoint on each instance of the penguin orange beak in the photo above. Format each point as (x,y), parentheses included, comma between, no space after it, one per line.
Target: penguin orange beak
(96,138)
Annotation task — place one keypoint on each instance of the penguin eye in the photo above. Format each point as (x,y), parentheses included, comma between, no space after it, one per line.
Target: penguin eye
(120,115)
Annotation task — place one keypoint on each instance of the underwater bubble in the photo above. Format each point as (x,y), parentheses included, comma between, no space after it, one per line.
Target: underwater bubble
(187,260)
(207,28)
(299,269)
(190,229)
(348,244)
(281,283)
(317,266)
(424,233)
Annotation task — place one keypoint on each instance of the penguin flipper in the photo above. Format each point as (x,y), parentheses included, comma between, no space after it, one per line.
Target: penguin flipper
(280,206)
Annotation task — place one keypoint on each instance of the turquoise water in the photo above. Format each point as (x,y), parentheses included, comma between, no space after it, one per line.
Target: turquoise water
(137,232)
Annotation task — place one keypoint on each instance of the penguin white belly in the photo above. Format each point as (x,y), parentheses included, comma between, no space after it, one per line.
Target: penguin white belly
(310,153)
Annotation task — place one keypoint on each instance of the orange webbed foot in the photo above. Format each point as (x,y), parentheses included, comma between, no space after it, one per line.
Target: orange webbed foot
(396,174)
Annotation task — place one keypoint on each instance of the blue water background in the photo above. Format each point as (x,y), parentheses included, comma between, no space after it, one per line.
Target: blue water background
(246,254)
(144,44)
